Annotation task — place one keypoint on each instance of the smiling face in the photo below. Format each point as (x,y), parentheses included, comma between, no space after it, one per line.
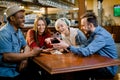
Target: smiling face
(62,27)
(18,19)
(85,26)
(41,27)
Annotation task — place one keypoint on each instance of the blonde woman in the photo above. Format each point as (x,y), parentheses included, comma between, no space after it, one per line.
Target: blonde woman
(72,36)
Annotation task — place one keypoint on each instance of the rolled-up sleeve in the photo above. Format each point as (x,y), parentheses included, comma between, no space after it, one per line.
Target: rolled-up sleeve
(94,46)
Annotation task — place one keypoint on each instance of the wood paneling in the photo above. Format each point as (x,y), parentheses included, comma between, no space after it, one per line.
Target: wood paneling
(82,9)
(115,31)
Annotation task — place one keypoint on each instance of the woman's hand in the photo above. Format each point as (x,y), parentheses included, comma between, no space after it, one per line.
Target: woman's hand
(48,40)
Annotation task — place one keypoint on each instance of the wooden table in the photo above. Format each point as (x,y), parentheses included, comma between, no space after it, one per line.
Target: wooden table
(62,63)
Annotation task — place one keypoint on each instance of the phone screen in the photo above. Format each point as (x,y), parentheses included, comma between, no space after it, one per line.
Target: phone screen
(55,40)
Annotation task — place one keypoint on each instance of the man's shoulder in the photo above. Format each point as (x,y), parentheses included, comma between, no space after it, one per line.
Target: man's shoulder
(102,31)
(4,31)
(4,28)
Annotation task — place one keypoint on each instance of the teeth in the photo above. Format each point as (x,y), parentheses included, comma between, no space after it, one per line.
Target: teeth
(22,23)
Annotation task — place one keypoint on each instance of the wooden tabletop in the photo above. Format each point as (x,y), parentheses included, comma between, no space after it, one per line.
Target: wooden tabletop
(62,63)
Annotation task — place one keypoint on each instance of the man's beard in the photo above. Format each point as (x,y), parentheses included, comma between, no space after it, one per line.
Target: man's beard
(20,27)
(88,33)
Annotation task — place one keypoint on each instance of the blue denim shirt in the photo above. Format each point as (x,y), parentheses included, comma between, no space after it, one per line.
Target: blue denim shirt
(11,41)
(100,42)
(80,38)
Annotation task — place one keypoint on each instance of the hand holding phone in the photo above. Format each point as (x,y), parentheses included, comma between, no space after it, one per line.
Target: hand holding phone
(55,40)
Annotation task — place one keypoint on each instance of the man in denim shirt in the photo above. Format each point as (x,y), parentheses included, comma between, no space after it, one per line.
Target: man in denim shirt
(99,42)
(11,43)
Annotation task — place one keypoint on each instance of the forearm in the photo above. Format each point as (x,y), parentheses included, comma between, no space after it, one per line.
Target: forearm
(16,57)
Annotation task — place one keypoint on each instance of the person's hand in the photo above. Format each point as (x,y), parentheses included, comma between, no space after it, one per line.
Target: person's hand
(23,65)
(48,40)
(61,45)
(36,51)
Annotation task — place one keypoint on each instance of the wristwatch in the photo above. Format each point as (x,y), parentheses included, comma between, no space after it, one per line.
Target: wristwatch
(68,48)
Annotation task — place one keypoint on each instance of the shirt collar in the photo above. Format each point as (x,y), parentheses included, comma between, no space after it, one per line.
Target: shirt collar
(11,28)
(96,30)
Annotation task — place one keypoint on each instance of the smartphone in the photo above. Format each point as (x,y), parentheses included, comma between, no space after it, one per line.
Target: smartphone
(55,40)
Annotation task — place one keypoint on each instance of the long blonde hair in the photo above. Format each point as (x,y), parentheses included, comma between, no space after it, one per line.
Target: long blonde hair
(36,29)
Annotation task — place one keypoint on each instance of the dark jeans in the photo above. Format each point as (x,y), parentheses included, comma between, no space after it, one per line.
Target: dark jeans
(6,78)
(97,74)
(25,76)
(29,73)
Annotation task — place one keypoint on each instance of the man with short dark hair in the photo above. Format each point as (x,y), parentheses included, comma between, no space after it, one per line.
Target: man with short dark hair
(99,42)
(11,43)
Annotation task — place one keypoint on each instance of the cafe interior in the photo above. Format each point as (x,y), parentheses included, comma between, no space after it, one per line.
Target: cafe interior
(107,11)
